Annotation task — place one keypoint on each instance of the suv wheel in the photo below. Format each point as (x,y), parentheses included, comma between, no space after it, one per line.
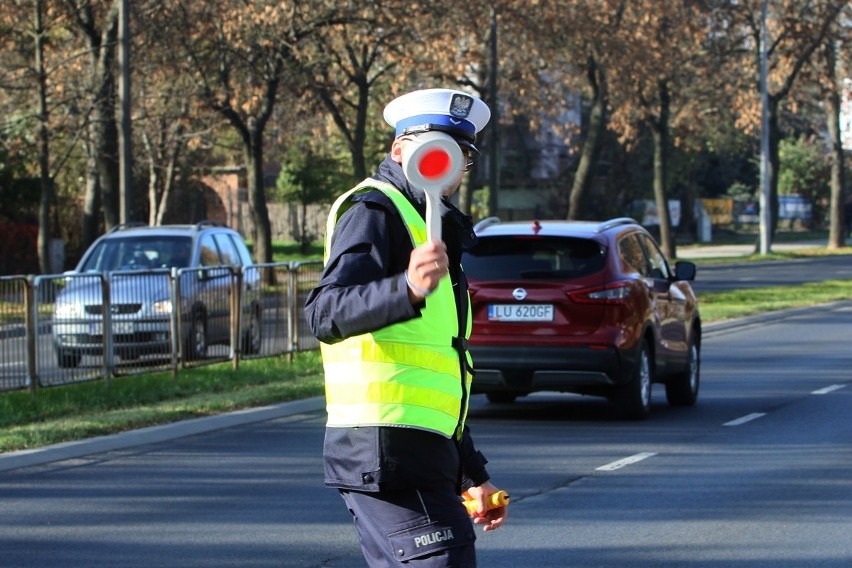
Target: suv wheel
(68,359)
(682,389)
(196,341)
(634,398)
(254,333)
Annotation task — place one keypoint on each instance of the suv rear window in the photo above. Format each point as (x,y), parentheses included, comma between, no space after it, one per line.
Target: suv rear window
(514,258)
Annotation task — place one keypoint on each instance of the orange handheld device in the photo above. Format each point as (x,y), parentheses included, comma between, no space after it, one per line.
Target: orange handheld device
(495,501)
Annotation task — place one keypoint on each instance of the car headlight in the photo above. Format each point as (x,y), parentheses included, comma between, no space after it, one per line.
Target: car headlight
(66,310)
(162,307)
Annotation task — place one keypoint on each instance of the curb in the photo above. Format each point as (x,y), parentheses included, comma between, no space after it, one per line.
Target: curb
(760,319)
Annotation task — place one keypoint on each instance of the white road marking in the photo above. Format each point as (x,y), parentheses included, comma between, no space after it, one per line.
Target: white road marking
(827,390)
(744,419)
(626,461)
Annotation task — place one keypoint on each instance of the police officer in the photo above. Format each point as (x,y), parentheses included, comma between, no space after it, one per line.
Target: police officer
(392,313)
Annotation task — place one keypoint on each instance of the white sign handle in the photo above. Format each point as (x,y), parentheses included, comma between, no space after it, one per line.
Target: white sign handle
(433,215)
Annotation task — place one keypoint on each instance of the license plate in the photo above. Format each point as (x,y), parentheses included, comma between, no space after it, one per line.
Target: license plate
(520,312)
(118,328)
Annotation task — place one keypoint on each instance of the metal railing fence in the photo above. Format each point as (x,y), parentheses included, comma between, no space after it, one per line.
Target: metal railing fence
(15,363)
(71,328)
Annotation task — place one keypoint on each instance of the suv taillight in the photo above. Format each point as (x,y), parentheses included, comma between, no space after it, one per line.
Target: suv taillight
(612,293)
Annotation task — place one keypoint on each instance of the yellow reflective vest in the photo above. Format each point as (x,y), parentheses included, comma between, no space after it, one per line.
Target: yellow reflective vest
(407,374)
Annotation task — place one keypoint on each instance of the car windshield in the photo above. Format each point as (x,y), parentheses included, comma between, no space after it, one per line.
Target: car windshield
(139,253)
(514,258)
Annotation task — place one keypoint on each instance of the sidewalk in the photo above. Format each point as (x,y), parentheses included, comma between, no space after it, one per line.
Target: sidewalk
(716,251)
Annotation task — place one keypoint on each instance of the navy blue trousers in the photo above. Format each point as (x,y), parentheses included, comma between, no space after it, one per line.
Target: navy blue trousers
(416,529)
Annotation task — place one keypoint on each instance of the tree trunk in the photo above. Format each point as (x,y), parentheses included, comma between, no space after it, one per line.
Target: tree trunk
(92,199)
(304,241)
(105,136)
(494,128)
(44,230)
(164,156)
(169,181)
(359,137)
(837,222)
(103,131)
(774,163)
(257,198)
(666,241)
(153,181)
(660,129)
(585,173)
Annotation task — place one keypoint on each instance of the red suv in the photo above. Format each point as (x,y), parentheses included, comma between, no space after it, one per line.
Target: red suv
(588,308)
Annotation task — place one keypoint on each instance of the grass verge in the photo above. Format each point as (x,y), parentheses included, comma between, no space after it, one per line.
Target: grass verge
(75,412)
(717,306)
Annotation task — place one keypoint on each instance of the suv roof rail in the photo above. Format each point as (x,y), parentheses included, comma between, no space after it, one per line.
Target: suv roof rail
(128,225)
(616,222)
(209,223)
(487,222)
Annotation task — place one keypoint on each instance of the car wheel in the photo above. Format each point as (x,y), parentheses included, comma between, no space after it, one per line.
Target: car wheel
(634,398)
(501,397)
(196,342)
(253,337)
(682,389)
(68,359)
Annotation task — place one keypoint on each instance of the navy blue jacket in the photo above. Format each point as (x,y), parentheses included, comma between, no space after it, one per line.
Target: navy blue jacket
(363,289)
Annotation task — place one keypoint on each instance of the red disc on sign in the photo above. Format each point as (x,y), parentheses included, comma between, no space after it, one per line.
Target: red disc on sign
(434,163)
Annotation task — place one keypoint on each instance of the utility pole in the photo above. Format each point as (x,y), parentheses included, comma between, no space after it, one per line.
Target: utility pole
(125,160)
(765,200)
(494,129)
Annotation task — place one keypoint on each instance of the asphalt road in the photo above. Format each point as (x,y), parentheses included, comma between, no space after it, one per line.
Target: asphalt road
(756,475)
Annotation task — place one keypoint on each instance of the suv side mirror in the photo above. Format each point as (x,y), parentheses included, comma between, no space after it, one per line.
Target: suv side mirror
(685,270)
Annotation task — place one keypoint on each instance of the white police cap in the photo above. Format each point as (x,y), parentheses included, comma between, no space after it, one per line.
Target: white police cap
(446,110)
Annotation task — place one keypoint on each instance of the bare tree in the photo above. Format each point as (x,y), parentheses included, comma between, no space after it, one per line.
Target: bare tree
(168,120)
(657,61)
(346,63)
(35,68)
(797,29)
(240,63)
(831,85)
(98,26)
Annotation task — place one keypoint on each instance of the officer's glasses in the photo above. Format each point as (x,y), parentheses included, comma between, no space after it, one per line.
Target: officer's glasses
(469,159)
(468,155)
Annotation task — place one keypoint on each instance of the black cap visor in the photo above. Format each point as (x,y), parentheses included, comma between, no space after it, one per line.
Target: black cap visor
(463,138)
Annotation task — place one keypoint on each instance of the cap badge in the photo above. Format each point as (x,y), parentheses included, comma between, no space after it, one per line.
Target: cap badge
(460,105)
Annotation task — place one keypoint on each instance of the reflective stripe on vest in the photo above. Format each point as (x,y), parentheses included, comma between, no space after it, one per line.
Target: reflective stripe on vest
(408,373)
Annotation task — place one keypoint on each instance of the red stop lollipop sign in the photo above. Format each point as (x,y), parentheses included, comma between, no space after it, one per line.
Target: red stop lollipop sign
(433,162)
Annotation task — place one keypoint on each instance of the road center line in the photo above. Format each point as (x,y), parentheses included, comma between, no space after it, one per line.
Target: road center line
(827,390)
(744,419)
(626,461)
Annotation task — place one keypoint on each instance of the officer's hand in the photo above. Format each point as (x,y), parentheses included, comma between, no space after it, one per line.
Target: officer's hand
(490,518)
(426,266)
